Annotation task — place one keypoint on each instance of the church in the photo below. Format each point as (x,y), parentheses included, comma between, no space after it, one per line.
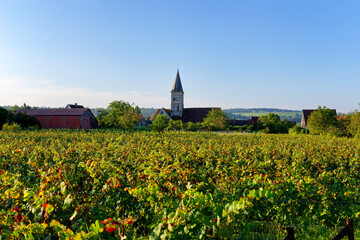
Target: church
(177,110)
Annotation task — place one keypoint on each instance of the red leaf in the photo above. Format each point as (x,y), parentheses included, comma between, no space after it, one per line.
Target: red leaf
(109,229)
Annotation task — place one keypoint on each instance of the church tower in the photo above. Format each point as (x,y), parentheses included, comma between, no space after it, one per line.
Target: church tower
(177,97)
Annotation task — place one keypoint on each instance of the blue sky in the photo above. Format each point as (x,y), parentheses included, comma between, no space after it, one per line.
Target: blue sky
(281,54)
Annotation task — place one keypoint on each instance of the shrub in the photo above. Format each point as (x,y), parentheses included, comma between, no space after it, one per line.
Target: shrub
(26,121)
(298,130)
(14,127)
(160,123)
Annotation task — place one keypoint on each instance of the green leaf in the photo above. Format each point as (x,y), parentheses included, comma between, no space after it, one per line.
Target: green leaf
(63,187)
(68,200)
(74,215)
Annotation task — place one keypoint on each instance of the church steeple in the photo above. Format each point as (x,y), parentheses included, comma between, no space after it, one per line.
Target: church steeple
(177,84)
(177,97)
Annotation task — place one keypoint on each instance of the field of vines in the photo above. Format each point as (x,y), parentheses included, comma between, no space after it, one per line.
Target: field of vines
(178,185)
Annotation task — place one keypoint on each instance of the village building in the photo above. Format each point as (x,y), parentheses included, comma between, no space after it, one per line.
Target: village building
(70,118)
(177,110)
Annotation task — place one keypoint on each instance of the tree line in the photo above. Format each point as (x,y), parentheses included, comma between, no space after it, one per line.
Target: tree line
(125,116)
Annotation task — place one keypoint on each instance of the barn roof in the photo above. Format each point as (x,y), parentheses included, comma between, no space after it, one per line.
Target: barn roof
(177,84)
(55,112)
(195,114)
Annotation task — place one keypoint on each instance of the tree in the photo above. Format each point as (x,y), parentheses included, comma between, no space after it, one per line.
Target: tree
(4,115)
(215,120)
(119,114)
(137,110)
(175,125)
(160,123)
(271,123)
(269,118)
(323,121)
(26,121)
(354,125)
(15,108)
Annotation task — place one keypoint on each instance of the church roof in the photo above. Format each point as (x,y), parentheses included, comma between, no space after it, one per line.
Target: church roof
(195,114)
(177,84)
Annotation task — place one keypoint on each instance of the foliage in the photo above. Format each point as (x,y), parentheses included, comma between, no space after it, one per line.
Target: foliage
(175,125)
(4,114)
(215,120)
(298,130)
(119,114)
(344,122)
(140,185)
(160,123)
(323,121)
(25,121)
(271,123)
(353,125)
(192,127)
(13,127)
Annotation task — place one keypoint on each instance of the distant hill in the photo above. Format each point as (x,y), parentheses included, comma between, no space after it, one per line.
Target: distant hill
(246,113)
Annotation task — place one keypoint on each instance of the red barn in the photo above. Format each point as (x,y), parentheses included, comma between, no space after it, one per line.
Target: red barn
(74,118)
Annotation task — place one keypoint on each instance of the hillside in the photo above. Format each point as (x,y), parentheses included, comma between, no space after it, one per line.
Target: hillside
(246,113)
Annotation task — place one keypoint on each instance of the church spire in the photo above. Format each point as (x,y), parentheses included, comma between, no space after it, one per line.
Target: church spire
(177,84)
(177,97)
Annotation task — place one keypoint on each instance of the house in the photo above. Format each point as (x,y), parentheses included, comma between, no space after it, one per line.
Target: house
(306,114)
(74,106)
(70,118)
(177,110)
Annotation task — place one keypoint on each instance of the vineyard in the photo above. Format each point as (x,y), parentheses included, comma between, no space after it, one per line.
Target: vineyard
(176,185)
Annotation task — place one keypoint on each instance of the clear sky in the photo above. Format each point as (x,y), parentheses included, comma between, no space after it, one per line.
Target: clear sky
(280,54)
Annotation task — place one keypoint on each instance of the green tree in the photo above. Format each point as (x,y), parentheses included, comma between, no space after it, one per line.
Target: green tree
(215,120)
(354,125)
(137,110)
(4,115)
(271,123)
(175,125)
(15,108)
(323,121)
(160,123)
(119,114)
(26,121)
(269,118)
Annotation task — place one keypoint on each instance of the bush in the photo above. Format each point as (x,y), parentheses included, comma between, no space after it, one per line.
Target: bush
(192,127)
(354,125)
(14,127)
(271,123)
(175,125)
(4,114)
(298,130)
(26,121)
(323,121)
(160,123)
(215,120)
